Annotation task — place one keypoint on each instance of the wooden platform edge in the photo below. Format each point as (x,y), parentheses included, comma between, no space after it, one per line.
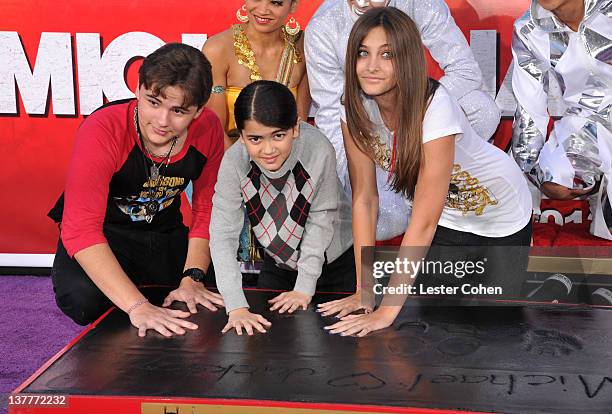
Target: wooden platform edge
(581,265)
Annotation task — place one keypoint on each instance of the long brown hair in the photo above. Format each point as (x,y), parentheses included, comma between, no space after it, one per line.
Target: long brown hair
(413,92)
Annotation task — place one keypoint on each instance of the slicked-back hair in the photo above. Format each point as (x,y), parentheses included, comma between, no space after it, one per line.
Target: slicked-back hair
(178,65)
(413,92)
(268,102)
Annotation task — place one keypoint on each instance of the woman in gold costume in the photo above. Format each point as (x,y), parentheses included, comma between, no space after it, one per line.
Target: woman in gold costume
(267,44)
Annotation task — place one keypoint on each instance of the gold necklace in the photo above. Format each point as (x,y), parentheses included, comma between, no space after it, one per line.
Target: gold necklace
(246,56)
(290,43)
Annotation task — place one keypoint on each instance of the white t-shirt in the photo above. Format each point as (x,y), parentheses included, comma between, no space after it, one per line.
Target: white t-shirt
(488,194)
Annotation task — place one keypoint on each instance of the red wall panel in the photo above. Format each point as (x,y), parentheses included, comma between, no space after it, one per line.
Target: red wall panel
(36,148)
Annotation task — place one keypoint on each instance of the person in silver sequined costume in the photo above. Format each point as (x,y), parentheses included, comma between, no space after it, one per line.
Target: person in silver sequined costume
(325,49)
(570,40)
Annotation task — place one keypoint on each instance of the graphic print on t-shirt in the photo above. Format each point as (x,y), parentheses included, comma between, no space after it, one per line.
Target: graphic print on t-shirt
(278,209)
(466,194)
(163,192)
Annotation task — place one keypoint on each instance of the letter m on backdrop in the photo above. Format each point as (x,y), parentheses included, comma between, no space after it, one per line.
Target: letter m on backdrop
(53,66)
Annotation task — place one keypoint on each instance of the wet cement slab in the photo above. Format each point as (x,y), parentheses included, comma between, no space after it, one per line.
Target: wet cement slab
(481,358)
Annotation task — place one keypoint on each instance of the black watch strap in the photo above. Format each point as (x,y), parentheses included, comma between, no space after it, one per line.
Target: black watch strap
(195,274)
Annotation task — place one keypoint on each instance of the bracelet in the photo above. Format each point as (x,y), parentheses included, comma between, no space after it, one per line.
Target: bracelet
(137,304)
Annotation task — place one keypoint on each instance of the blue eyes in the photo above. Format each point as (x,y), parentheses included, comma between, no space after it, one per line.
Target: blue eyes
(385,55)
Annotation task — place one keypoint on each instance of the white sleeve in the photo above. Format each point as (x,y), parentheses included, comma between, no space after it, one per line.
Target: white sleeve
(326,82)
(447,45)
(462,76)
(442,118)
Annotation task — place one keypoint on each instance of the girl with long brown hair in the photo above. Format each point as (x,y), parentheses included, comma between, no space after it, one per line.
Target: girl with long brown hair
(463,191)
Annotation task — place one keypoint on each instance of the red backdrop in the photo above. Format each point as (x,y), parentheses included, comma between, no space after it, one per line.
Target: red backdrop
(37,147)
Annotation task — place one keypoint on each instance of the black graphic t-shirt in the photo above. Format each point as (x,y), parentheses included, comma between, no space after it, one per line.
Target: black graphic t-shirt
(108,181)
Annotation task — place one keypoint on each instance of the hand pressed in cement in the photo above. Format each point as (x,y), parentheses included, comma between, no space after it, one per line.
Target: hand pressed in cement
(548,342)
(342,307)
(242,318)
(360,325)
(290,302)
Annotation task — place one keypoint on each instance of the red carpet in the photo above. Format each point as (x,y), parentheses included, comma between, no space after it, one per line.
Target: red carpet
(570,234)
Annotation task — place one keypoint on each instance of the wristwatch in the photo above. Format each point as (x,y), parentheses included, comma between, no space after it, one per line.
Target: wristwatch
(195,274)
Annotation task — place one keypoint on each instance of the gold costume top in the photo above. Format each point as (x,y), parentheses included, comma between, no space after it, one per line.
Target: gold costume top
(232,93)
(246,58)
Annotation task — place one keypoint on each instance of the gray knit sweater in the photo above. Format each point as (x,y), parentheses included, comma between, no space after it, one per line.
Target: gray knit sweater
(299,213)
